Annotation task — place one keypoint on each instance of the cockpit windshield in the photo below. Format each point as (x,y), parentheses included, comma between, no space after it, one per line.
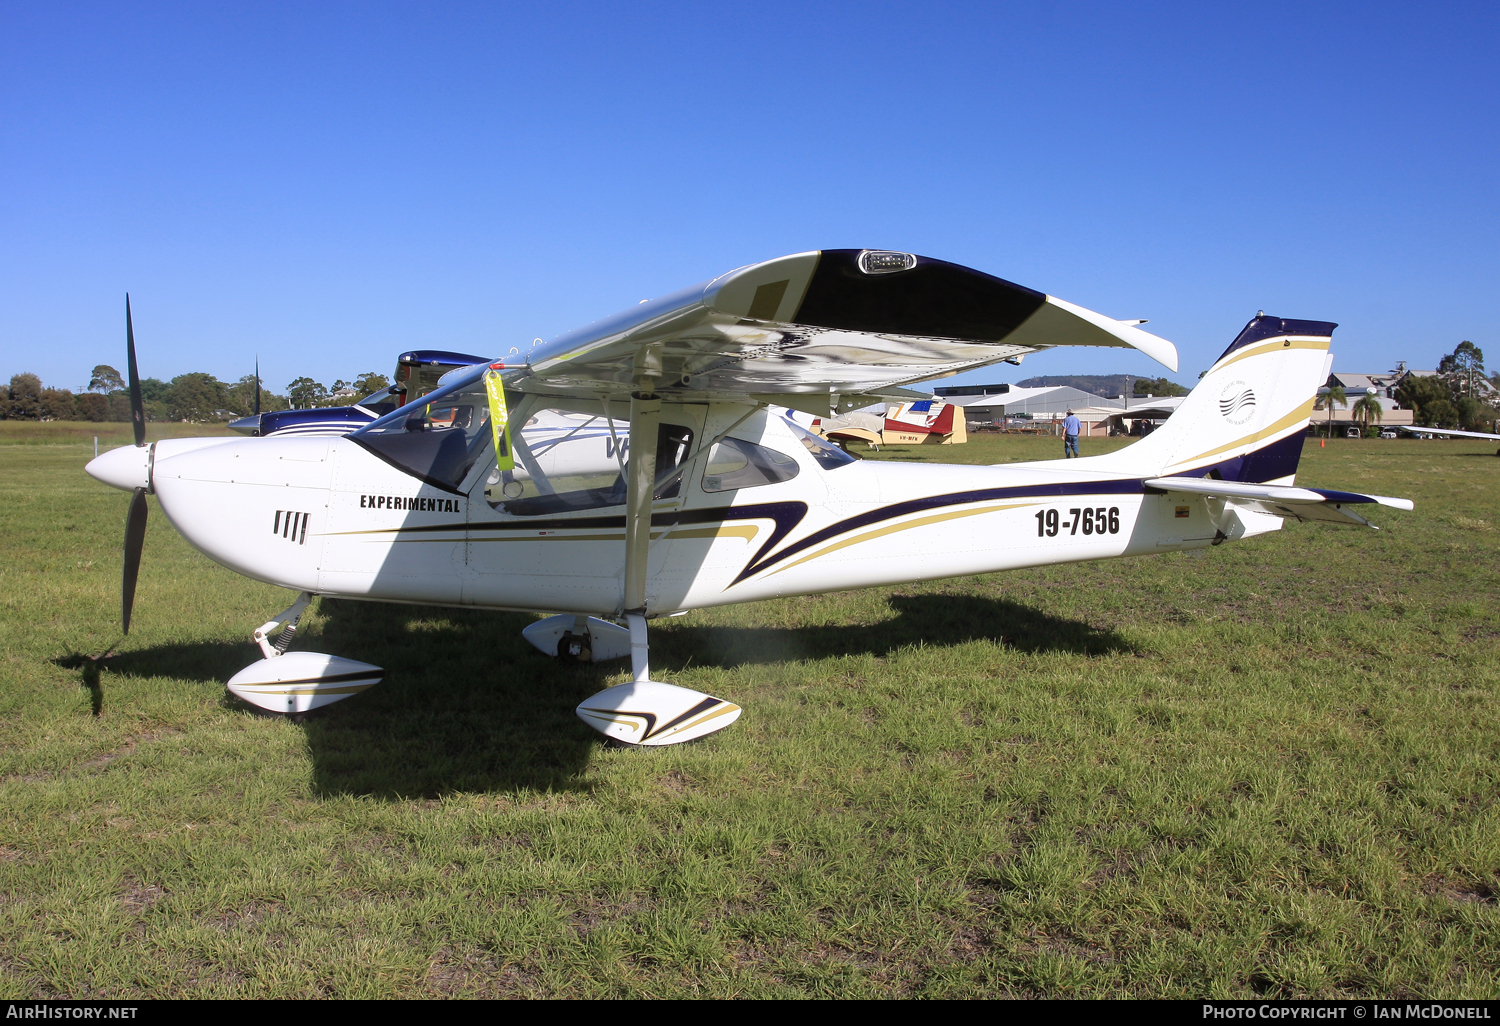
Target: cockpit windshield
(437,438)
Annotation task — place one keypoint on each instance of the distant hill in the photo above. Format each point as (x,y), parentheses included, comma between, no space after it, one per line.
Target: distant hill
(1107,385)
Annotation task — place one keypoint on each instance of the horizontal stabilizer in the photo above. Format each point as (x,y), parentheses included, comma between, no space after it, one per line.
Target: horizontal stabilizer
(1269,492)
(1450,432)
(1282,500)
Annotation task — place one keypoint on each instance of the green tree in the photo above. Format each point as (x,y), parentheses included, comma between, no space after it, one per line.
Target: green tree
(1473,415)
(154,390)
(58,404)
(241,397)
(1328,400)
(1368,409)
(1460,367)
(24,398)
(1157,386)
(93,406)
(305,393)
(194,397)
(1419,394)
(369,382)
(1439,413)
(105,379)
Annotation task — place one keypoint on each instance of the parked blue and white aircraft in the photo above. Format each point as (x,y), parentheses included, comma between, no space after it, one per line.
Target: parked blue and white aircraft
(637,467)
(417,373)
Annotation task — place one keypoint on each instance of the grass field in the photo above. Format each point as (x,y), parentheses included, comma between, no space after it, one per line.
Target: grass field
(1270,771)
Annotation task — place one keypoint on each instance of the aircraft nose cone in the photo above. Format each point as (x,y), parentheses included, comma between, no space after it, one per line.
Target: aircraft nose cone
(127,468)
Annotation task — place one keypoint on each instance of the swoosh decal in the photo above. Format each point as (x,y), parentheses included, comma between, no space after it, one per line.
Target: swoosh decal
(1133,486)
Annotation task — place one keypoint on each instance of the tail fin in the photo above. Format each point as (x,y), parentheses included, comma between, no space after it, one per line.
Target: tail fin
(1245,419)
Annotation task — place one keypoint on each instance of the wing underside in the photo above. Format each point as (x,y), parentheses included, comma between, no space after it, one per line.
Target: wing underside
(820,331)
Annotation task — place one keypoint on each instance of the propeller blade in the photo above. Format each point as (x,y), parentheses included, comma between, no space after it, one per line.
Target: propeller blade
(137,410)
(135,538)
(257,386)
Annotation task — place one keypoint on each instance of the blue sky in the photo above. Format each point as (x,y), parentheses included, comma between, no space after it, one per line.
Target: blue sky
(329,184)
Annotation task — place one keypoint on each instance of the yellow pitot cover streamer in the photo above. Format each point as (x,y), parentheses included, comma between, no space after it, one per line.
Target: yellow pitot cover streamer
(499,420)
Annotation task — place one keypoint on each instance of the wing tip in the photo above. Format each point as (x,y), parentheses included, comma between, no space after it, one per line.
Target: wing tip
(1154,346)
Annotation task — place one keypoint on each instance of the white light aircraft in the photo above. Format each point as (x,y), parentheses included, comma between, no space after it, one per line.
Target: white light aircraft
(637,468)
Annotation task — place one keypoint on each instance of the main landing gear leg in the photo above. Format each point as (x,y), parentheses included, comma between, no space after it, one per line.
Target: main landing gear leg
(293,683)
(640,653)
(644,711)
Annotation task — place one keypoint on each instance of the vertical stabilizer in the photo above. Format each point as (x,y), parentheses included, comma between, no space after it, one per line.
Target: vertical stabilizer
(1245,419)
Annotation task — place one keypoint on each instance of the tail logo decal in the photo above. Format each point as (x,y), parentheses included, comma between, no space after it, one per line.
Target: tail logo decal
(1237,403)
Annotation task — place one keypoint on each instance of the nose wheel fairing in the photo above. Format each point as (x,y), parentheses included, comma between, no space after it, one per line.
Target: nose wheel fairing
(291,683)
(298,682)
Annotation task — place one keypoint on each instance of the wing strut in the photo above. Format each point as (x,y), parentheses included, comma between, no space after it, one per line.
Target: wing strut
(645,420)
(647,712)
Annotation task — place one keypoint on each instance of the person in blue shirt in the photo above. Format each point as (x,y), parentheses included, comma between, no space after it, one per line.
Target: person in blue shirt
(1070,435)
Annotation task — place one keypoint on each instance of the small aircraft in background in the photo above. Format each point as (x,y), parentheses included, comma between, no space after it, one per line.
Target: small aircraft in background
(1427,432)
(930,420)
(643,466)
(417,373)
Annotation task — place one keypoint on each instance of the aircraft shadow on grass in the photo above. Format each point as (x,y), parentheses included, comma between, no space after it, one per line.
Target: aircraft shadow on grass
(468,706)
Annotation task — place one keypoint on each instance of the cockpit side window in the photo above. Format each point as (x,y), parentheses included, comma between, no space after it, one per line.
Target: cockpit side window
(735,463)
(568,460)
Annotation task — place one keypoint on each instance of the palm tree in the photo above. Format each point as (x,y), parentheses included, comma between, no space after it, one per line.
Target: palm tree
(1328,400)
(1368,408)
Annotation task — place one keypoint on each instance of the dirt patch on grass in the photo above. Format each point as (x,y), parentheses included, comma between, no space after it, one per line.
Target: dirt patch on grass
(676,782)
(158,734)
(600,911)
(475,973)
(1461,892)
(1041,942)
(252,915)
(138,897)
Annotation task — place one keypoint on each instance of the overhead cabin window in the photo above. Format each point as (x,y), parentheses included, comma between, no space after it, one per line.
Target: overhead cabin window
(568,461)
(438,442)
(828,455)
(735,463)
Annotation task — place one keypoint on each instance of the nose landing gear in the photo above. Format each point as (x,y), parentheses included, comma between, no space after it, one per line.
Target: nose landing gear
(292,683)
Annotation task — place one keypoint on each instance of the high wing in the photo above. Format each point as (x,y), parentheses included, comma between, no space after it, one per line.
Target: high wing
(1286,501)
(819,331)
(1449,431)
